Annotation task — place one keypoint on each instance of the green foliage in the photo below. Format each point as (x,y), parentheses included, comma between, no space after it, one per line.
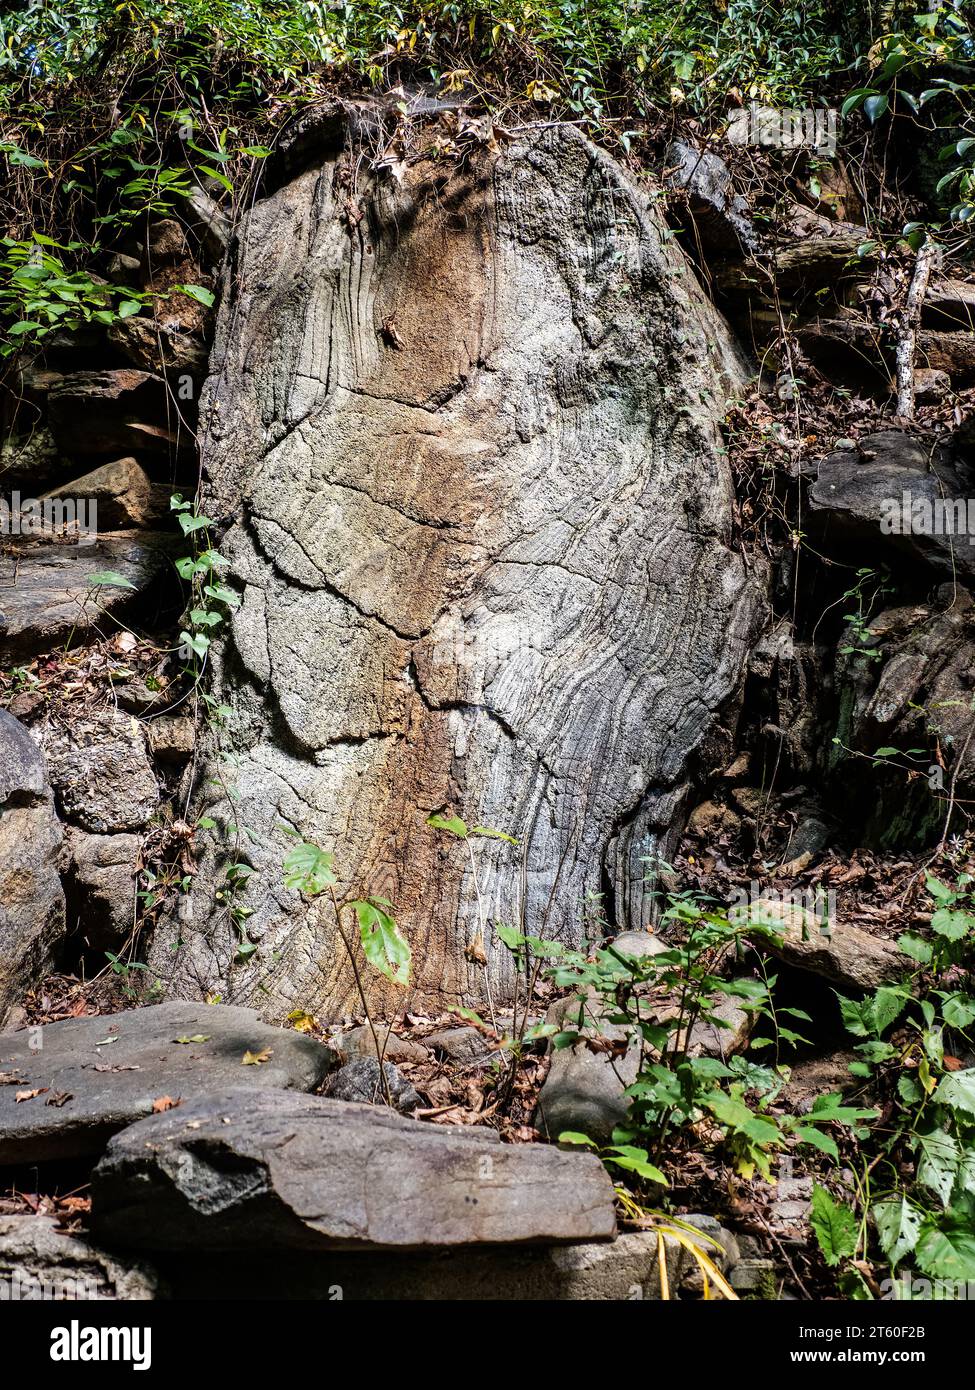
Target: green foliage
(834,1226)
(675,1091)
(309,870)
(908,1038)
(929,63)
(39,294)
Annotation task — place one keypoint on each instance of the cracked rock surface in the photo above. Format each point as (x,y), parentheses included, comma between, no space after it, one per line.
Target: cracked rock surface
(463,430)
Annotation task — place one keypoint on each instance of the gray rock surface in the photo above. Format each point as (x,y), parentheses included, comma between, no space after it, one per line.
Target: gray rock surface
(855,488)
(100,770)
(46,592)
(459,1044)
(100,879)
(584,1090)
(482,532)
(124,497)
(113,1068)
(276,1170)
(721,216)
(31,898)
(39,1262)
(847,954)
(359,1081)
(359,1042)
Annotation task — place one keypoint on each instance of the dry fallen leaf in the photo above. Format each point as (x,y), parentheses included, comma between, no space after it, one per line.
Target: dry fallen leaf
(9,1078)
(254,1059)
(59,1098)
(196,1038)
(163,1103)
(29,1095)
(301,1022)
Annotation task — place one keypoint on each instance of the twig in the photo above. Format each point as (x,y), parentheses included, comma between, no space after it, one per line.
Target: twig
(907,343)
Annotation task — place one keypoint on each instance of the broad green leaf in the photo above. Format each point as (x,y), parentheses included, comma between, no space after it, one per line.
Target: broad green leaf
(957,1090)
(572,1136)
(384,945)
(110,579)
(308,869)
(453,824)
(952,925)
(898,1225)
(938,1164)
(946,1247)
(834,1225)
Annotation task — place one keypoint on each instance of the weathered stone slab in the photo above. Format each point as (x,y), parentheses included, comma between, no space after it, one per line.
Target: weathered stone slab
(39,1262)
(276,1170)
(112,1070)
(46,593)
(31,897)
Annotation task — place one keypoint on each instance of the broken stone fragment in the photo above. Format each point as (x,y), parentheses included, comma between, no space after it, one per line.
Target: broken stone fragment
(845,954)
(359,1042)
(47,595)
(123,495)
(359,1081)
(277,1170)
(100,880)
(100,770)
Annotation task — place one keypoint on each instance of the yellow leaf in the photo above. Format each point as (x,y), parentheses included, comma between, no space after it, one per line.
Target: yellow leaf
(301,1022)
(254,1059)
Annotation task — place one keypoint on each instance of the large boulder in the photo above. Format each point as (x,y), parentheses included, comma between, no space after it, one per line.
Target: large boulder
(31,898)
(93,1076)
(465,426)
(902,486)
(242,1171)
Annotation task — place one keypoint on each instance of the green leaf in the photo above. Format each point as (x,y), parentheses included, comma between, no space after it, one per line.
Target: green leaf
(915,947)
(946,1247)
(898,1225)
(572,1136)
(384,945)
(957,1091)
(958,1010)
(485,830)
(834,1225)
(874,107)
(308,869)
(952,925)
(938,1164)
(809,1134)
(453,825)
(197,292)
(110,579)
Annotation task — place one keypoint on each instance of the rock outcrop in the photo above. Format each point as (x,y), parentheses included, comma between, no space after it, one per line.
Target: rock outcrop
(466,429)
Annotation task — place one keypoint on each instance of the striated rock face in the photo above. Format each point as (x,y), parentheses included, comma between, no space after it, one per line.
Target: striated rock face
(464,430)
